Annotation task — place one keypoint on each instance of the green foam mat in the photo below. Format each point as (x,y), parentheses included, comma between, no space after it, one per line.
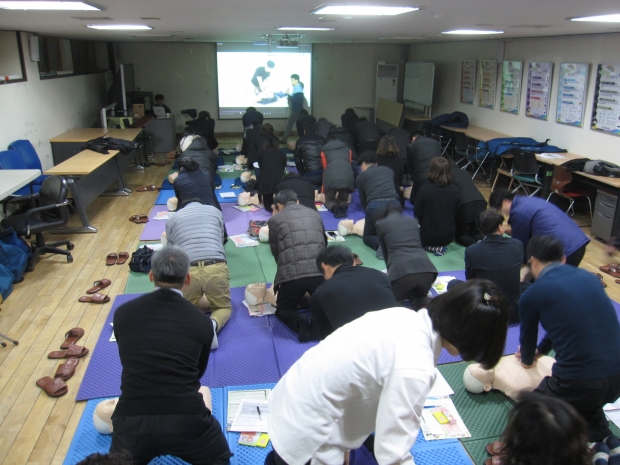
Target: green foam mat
(267,262)
(243,265)
(477,449)
(485,415)
(366,254)
(138,283)
(454,259)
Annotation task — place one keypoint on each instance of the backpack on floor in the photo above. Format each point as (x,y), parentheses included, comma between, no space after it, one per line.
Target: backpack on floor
(141,260)
(254,227)
(6,283)
(14,259)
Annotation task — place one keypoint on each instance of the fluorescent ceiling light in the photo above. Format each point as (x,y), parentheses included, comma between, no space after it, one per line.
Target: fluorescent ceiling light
(615,18)
(119,27)
(66,6)
(292,28)
(471,32)
(363,10)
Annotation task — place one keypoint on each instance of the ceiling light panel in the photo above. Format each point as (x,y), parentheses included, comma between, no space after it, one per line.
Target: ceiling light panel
(293,28)
(363,10)
(471,32)
(52,5)
(119,27)
(613,18)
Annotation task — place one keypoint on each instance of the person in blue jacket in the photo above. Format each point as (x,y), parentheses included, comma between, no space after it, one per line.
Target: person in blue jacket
(295,103)
(532,216)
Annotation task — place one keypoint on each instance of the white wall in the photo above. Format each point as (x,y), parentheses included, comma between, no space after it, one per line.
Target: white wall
(39,110)
(593,49)
(186,73)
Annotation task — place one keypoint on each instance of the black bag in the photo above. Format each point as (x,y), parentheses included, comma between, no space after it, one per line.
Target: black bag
(141,260)
(103,144)
(602,168)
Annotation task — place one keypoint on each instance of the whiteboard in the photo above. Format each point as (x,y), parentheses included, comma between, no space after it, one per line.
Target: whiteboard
(419,79)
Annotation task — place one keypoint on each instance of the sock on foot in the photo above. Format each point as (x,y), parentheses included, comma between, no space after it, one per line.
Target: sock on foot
(613,443)
(600,453)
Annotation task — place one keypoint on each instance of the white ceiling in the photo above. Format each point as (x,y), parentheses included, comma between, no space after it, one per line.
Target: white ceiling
(247,21)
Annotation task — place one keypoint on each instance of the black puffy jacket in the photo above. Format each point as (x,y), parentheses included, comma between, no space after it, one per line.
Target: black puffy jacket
(308,153)
(340,133)
(200,151)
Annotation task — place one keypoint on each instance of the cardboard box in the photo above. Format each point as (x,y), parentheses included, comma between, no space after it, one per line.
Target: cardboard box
(138,110)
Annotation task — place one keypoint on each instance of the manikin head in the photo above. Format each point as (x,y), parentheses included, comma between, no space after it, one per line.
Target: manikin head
(243,198)
(345,227)
(241,160)
(172,204)
(542,251)
(255,293)
(501,200)
(102,416)
(263,234)
(331,258)
(245,176)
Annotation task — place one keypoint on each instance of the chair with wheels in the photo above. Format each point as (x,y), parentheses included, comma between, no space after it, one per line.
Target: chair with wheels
(12,160)
(561,186)
(524,172)
(52,213)
(443,139)
(30,157)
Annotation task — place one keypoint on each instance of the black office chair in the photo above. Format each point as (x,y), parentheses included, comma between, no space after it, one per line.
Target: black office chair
(52,213)
(524,171)
(192,113)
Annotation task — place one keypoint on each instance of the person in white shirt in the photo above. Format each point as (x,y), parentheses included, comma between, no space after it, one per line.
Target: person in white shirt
(373,375)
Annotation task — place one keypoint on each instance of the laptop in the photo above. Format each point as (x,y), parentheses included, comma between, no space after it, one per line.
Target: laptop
(159,112)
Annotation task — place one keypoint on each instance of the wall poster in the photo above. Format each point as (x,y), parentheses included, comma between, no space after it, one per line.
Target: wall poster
(468,81)
(538,89)
(488,83)
(512,73)
(572,86)
(606,112)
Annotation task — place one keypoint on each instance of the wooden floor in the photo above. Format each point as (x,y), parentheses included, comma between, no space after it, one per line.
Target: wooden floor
(37,429)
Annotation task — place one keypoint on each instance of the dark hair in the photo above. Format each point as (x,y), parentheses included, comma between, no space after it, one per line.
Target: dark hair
(284,197)
(545,429)
(368,157)
(415,134)
(170,265)
(386,209)
(497,198)
(545,249)
(288,176)
(310,127)
(188,131)
(204,114)
(250,109)
(387,147)
(295,76)
(488,221)
(334,255)
(473,317)
(267,128)
(159,97)
(188,164)
(440,172)
(303,112)
(271,142)
(118,458)
(350,111)
(270,64)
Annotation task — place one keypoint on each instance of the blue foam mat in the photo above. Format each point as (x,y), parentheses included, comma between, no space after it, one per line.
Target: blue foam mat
(87,440)
(165,185)
(163,196)
(226,183)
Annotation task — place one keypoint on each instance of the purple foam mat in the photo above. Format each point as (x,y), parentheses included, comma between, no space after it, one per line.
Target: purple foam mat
(287,346)
(103,374)
(237,221)
(153,229)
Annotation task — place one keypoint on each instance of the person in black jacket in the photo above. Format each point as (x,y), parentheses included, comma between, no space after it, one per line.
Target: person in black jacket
(161,410)
(338,178)
(204,126)
(196,148)
(272,163)
(193,183)
(340,133)
(497,258)
(349,119)
(302,122)
(348,292)
(409,269)
(402,139)
(251,118)
(308,155)
(305,191)
(388,155)
(471,204)
(323,127)
(436,206)
(367,134)
(419,155)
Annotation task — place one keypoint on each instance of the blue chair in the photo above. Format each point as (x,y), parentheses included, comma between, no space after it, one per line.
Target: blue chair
(30,156)
(11,160)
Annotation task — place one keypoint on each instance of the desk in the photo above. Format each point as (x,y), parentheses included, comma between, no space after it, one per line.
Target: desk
(478,133)
(13,180)
(164,133)
(89,174)
(125,134)
(71,142)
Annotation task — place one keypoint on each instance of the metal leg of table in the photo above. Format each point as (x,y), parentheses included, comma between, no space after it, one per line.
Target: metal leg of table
(80,207)
(121,189)
(547,179)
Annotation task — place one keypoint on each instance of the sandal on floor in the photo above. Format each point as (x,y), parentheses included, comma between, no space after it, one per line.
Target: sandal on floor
(145,219)
(67,369)
(123,257)
(53,387)
(612,269)
(600,276)
(72,351)
(148,188)
(495,447)
(356,260)
(133,219)
(112,257)
(97,286)
(72,336)
(95,298)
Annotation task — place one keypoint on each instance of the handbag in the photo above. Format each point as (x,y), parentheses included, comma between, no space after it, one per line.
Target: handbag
(254,227)
(141,260)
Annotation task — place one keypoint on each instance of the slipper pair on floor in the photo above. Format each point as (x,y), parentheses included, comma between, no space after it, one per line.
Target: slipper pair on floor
(56,386)
(612,269)
(95,297)
(116,259)
(138,219)
(163,163)
(148,188)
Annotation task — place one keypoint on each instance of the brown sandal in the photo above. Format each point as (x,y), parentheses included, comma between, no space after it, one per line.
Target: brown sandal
(67,369)
(72,336)
(53,387)
(123,256)
(98,285)
(72,351)
(138,219)
(495,447)
(95,298)
(112,257)
(612,269)
(148,188)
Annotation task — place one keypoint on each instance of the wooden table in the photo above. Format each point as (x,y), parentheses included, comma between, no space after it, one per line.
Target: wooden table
(89,175)
(567,156)
(66,145)
(13,180)
(125,134)
(478,133)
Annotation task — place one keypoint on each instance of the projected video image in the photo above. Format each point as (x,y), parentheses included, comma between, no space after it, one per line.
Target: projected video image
(249,75)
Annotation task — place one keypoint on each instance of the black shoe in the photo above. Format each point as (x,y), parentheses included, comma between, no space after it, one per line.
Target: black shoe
(336,211)
(343,211)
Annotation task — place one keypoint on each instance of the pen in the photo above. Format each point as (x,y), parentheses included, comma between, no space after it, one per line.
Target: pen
(259,415)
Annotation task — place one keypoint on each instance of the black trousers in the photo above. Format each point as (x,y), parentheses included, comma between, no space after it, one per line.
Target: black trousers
(289,296)
(467,233)
(274,459)
(587,397)
(197,439)
(576,257)
(414,287)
